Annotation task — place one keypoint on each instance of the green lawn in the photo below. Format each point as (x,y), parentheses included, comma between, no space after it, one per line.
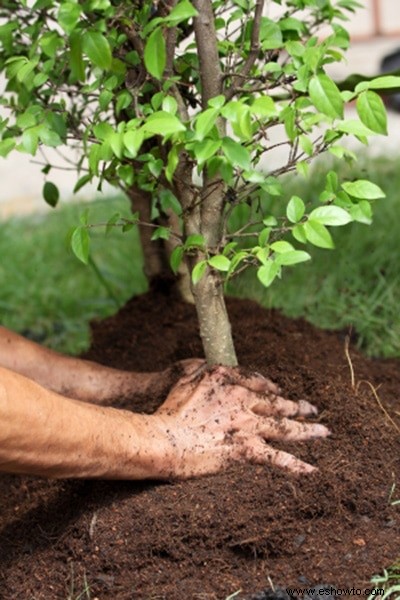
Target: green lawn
(47,293)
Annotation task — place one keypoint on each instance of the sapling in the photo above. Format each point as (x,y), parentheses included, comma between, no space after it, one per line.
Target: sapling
(182,105)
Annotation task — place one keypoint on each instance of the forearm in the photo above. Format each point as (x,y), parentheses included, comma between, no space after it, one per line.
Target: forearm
(45,434)
(69,376)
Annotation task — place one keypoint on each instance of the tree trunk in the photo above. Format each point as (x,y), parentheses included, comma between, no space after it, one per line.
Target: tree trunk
(156,253)
(215,328)
(155,262)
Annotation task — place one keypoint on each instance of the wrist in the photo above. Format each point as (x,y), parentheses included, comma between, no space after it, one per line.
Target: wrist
(153,452)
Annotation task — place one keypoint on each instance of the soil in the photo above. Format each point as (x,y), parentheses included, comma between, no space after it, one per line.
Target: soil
(208,538)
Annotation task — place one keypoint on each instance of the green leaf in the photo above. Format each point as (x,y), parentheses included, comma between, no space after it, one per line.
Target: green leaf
(198,271)
(270,221)
(126,174)
(303,168)
(76,62)
(170,105)
(270,34)
(112,221)
(169,202)
(50,42)
(96,47)
(263,236)
(117,143)
(127,227)
(219,262)
(205,121)
(162,233)
(299,233)
(354,127)
(103,131)
(26,70)
(50,193)
(363,189)
(281,247)
(317,234)
(82,181)
(263,107)
(49,137)
(172,163)
(325,96)
(295,209)
(80,243)
(163,123)
(30,140)
(267,273)
(292,258)
(196,240)
(14,64)
(237,154)
(6,146)
(362,212)
(330,215)
(372,112)
(181,12)
(205,149)
(105,98)
(176,258)
(68,16)
(386,82)
(155,54)
(40,79)
(217,101)
(306,145)
(94,158)
(262,254)
(273,186)
(133,140)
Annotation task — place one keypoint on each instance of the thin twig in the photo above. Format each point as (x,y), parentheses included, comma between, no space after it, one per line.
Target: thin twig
(379,402)
(348,357)
(254,48)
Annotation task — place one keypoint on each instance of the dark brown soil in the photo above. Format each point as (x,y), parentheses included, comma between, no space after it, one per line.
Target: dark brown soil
(208,538)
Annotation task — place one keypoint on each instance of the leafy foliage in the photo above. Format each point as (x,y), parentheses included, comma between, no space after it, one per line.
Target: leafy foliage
(150,103)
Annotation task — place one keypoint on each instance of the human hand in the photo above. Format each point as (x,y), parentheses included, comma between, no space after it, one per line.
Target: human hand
(220,416)
(159,383)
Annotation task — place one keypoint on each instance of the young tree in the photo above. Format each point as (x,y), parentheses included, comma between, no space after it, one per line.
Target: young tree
(176,102)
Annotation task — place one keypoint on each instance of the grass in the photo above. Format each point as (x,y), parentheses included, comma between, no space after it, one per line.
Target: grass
(46,293)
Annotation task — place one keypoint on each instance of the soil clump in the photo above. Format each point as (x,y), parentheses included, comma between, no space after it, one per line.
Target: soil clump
(208,538)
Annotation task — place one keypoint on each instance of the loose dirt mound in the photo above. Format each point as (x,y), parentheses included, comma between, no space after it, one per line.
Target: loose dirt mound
(208,538)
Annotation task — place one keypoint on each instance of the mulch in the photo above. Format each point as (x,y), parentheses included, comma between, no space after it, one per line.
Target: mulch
(244,529)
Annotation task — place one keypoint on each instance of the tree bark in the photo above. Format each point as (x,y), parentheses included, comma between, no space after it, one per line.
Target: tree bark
(206,218)
(154,255)
(215,328)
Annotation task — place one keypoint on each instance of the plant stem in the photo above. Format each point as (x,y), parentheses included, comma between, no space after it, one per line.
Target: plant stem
(215,329)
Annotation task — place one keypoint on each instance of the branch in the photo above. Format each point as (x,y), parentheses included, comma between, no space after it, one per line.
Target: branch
(254,48)
(206,40)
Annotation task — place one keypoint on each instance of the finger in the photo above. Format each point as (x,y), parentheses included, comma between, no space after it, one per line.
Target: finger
(264,384)
(193,375)
(191,366)
(288,430)
(254,381)
(286,408)
(258,452)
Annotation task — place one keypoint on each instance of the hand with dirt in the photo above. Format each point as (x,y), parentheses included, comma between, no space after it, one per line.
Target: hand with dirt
(221,416)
